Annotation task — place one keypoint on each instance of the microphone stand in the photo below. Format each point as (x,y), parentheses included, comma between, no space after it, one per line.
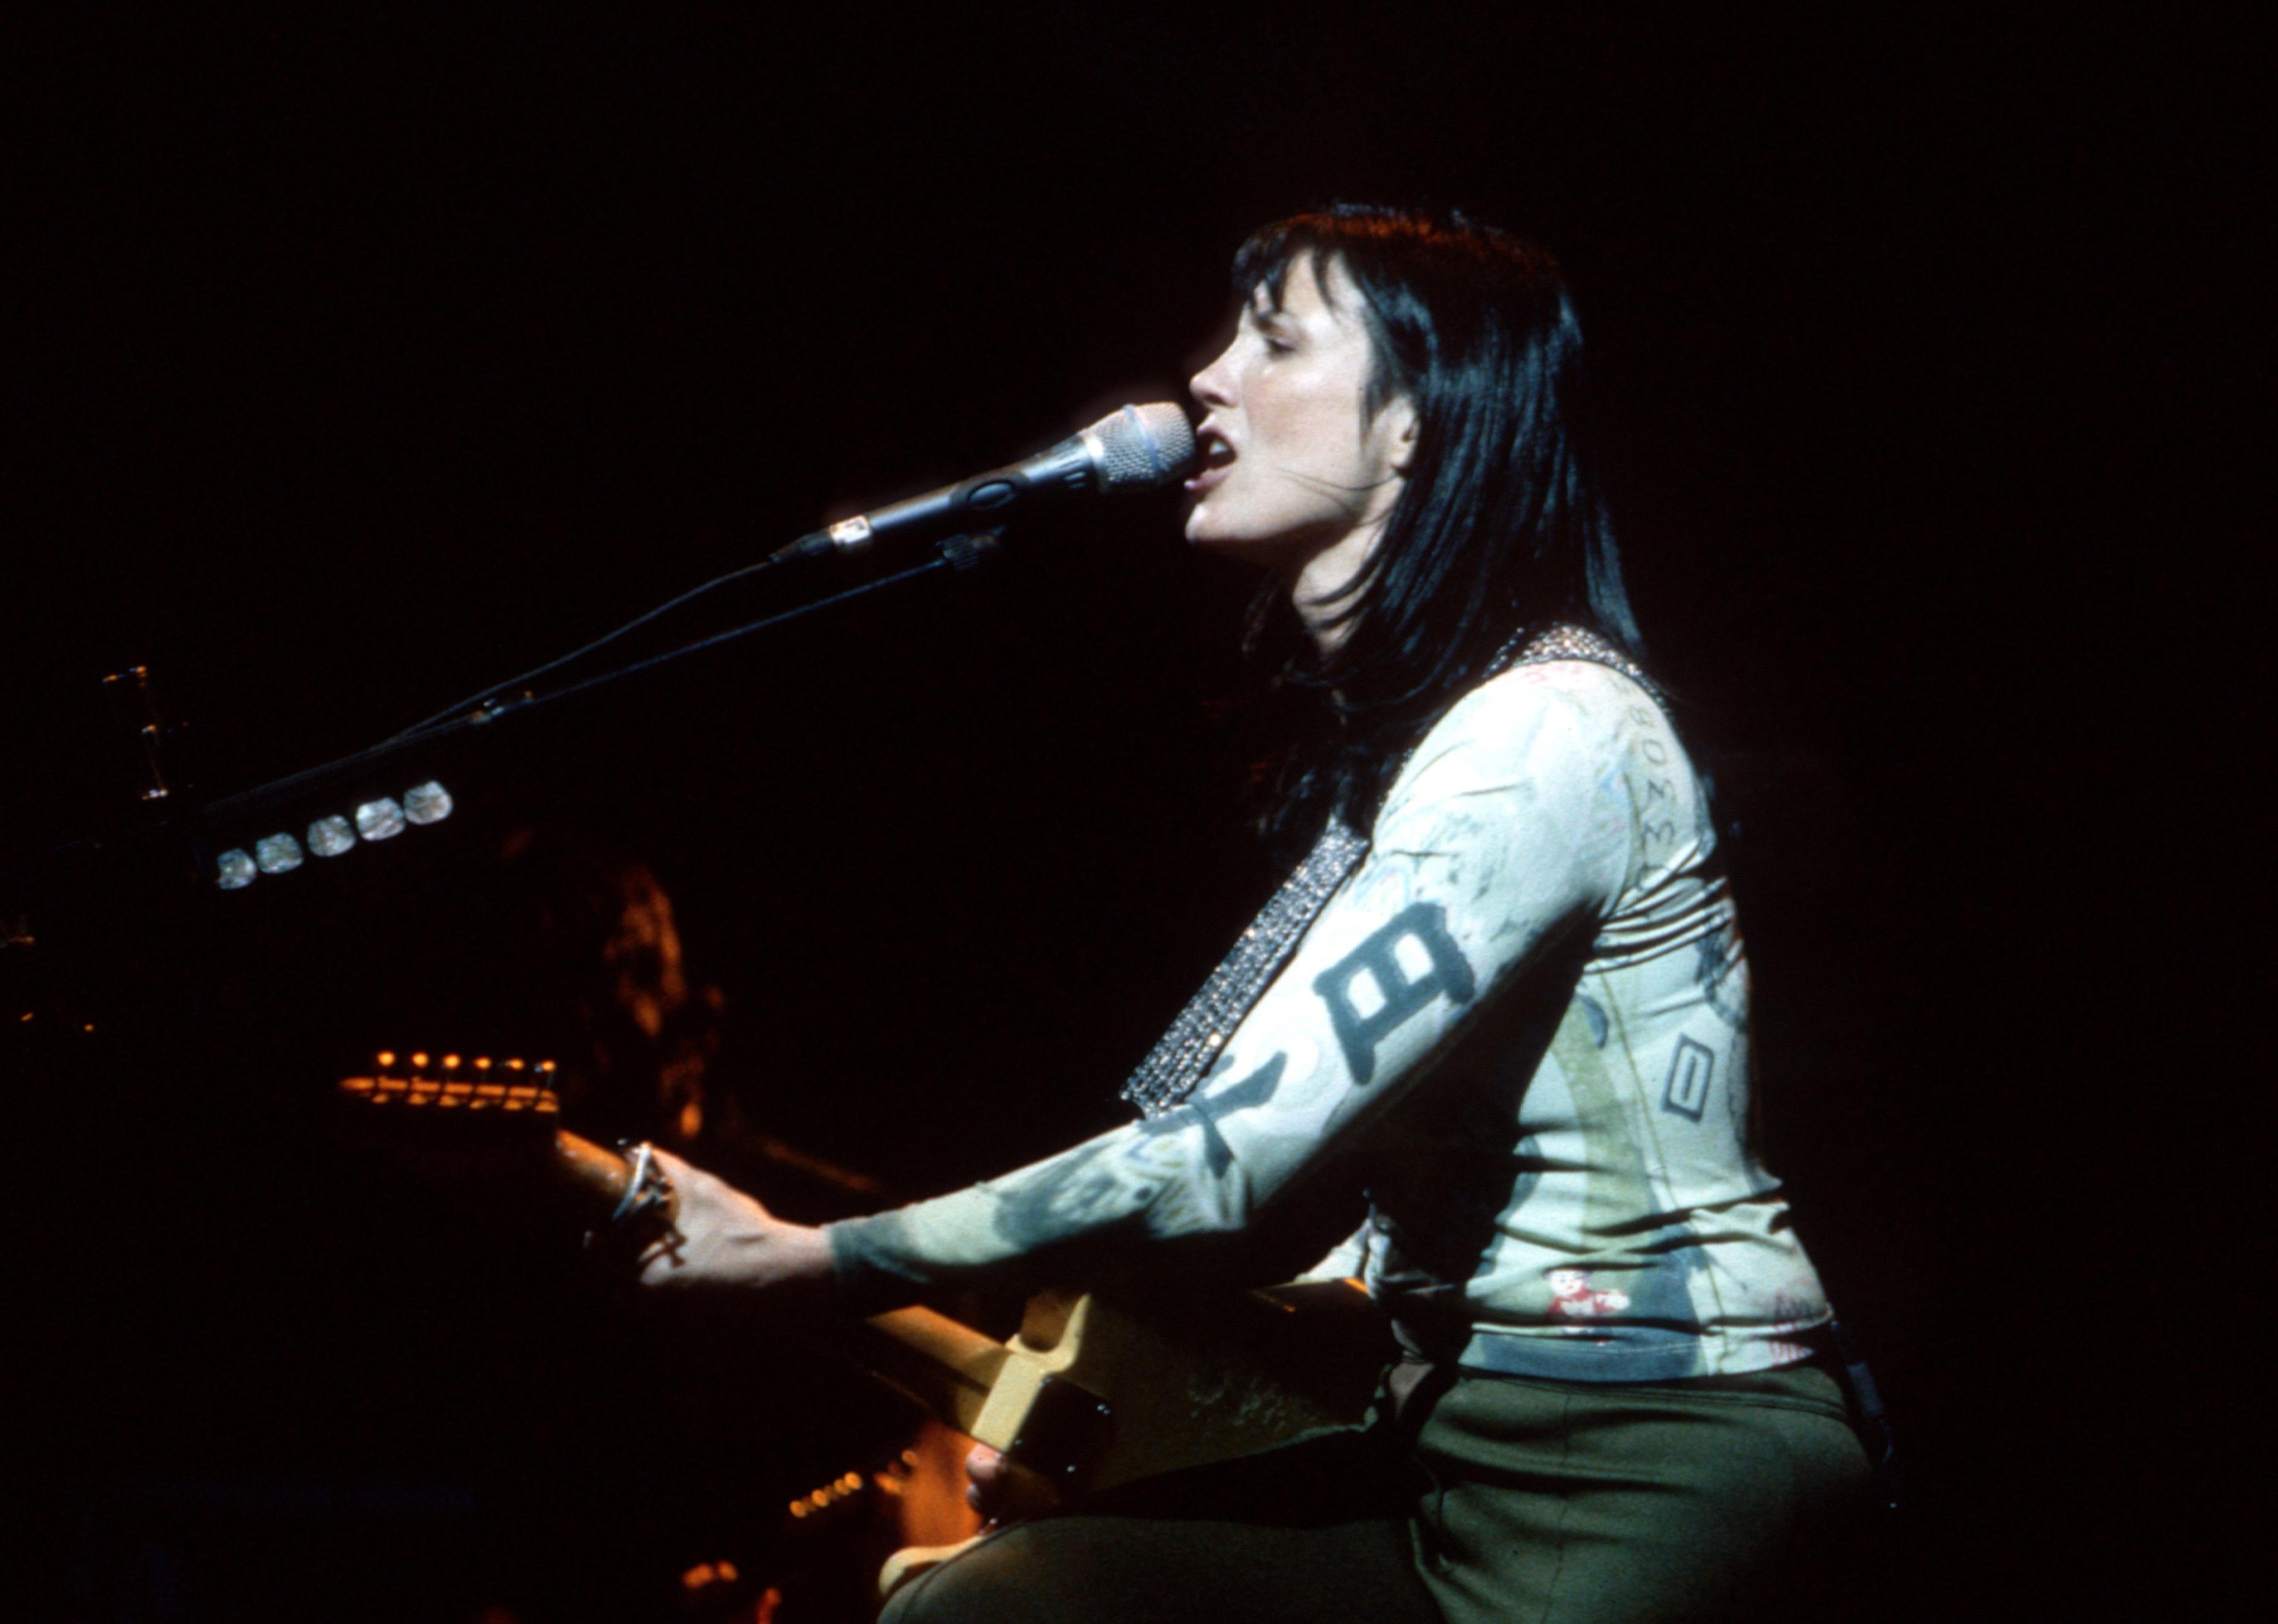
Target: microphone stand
(958,554)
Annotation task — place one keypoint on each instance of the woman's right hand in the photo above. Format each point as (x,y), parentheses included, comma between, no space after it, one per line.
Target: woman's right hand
(721,1239)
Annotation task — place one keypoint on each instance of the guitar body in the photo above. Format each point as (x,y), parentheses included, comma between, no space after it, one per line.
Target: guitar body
(1179,1384)
(1094,1391)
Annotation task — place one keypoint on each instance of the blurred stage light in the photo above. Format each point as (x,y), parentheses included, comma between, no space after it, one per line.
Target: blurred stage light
(380,820)
(329,837)
(276,854)
(427,803)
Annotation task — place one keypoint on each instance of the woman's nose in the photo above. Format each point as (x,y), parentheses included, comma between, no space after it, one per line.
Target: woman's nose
(1211,386)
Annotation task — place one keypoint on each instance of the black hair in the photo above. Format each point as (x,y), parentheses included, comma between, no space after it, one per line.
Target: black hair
(1500,525)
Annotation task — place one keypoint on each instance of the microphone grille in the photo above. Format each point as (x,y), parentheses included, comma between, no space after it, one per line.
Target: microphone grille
(1140,446)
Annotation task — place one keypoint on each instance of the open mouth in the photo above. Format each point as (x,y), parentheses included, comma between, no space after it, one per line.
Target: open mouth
(1218,457)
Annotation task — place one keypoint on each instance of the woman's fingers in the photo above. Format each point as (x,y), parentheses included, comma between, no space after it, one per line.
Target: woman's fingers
(721,1236)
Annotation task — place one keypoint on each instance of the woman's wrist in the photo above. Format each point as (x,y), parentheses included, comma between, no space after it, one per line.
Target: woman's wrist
(803,1257)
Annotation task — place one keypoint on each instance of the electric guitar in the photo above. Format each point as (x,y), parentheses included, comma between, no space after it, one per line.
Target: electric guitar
(1090,1393)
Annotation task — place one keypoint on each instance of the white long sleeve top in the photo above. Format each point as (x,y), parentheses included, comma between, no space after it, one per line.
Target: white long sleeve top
(1523,1021)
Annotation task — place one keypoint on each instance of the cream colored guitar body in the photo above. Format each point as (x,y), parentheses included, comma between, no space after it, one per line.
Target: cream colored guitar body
(1092,1393)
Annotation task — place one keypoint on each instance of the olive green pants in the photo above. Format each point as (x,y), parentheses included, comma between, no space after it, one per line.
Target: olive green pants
(1485,1498)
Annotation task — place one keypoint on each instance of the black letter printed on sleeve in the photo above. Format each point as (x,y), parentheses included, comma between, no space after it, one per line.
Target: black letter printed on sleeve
(1393,994)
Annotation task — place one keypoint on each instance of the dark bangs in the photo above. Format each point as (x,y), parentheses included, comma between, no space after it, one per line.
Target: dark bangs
(1501,526)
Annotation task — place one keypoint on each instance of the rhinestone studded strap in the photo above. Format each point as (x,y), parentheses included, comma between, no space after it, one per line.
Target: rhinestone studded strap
(1177,1065)
(1183,1057)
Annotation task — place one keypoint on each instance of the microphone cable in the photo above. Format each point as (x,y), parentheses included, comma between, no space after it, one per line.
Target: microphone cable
(960,553)
(477,700)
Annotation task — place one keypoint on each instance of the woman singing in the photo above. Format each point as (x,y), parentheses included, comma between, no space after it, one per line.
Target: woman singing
(1505,997)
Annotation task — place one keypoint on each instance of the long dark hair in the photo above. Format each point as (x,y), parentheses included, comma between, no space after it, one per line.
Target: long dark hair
(1501,526)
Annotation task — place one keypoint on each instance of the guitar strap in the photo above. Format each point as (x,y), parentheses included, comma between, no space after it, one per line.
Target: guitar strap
(1177,1065)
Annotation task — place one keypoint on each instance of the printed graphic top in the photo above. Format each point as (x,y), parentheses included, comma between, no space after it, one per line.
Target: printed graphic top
(1522,1022)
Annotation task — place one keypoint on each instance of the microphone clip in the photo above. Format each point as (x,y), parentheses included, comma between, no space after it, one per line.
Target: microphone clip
(969,552)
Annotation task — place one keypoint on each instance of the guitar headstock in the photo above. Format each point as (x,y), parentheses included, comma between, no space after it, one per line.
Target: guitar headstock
(449,1096)
(455,1118)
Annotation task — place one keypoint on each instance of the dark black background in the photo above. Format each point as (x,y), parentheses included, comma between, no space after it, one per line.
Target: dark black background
(359,363)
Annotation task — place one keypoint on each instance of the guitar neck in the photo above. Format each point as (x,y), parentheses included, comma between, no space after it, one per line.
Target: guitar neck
(951,1369)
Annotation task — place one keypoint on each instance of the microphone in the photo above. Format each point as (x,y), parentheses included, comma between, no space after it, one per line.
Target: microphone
(1132,448)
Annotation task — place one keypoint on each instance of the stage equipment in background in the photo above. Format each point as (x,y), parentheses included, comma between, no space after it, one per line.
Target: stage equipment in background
(134,702)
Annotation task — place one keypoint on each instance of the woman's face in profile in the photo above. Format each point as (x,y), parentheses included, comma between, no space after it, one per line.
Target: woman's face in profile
(1291,464)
